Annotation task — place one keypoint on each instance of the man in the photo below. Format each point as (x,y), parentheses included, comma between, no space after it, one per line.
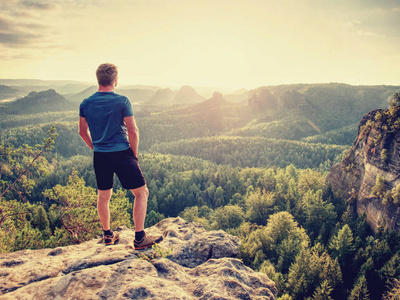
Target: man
(107,126)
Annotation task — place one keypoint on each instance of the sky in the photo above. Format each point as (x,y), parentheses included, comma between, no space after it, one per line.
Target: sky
(230,43)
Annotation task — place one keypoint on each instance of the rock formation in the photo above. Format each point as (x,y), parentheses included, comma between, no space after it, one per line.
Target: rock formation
(202,265)
(369,174)
(292,100)
(187,94)
(263,98)
(162,96)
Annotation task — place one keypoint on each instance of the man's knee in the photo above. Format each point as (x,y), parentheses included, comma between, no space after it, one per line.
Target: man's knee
(104,195)
(141,193)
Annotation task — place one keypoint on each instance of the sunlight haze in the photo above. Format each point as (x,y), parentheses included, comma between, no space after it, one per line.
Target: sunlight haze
(203,43)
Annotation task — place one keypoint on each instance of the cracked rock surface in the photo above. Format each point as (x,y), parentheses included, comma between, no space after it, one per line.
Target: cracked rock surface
(202,265)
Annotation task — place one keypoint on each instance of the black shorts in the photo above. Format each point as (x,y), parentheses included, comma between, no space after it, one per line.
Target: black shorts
(123,163)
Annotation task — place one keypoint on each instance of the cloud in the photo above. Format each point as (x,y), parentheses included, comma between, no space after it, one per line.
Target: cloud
(36,24)
(4,24)
(352,23)
(37,5)
(369,33)
(17,39)
(16,33)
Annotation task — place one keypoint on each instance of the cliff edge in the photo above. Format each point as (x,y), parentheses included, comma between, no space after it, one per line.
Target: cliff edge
(201,265)
(369,174)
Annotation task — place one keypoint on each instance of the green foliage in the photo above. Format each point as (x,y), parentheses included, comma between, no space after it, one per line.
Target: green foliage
(343,136)
(391,269)
(379,187)
(153,218)
(292,226)
(253,151)
(380,191)
(360,290)
(157,252)
(310,180)
(315,211)
(303,274)
(342,245)
(394,103)
(67,144)
(19,166)
(19,169)
(37,102)
(285,297)
(396,194)
(322,292)
(269,269)
(40,219)
(259,205)
(393,293)
(293,127)
(384,156)
(314,273)
(30,120)
(14,225)
(229,216)
(279,241)
(77,210)
(200,215)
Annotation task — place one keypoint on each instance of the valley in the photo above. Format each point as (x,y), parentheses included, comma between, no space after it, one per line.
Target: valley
(253,163)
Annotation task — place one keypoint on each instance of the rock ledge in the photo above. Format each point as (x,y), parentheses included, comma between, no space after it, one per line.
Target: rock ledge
(202,265)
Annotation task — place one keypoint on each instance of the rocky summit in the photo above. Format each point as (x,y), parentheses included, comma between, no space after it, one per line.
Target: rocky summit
(191,263)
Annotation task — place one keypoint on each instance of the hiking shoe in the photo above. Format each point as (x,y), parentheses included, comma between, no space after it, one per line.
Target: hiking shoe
(147,242)
(111,239)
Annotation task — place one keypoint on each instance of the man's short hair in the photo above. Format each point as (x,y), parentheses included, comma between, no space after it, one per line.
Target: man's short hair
(106,74)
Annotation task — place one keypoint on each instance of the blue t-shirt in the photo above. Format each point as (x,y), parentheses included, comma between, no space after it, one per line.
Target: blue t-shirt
(105,112)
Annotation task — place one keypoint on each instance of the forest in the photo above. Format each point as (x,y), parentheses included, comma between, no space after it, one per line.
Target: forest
(253,166)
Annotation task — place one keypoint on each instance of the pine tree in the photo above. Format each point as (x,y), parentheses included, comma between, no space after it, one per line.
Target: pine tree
(40,219)
(394,291)
(360,290)
(78,212)
(342,245)
(331,272)
(322,292)
(259,205)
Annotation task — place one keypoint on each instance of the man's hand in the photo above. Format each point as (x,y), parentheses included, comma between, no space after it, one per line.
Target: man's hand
(84,132)
(133,134)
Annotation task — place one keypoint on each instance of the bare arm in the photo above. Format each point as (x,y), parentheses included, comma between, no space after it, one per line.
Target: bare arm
(84,132)
(133,134)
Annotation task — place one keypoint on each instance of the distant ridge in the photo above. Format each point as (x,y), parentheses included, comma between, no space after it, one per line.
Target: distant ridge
(239,96)
(60,86)
(37,102)
(136,95)
(187,94)
(162,96)
(38,82)
(7,92)
(78,98)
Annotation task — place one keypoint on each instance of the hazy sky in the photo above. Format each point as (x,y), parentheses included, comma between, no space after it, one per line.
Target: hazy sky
(230,43)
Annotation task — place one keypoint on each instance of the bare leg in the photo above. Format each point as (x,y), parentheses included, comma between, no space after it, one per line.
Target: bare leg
(140,207)
(103,210)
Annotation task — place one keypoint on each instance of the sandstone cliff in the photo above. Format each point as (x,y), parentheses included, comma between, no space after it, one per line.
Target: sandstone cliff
(202,265)
(369,174)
